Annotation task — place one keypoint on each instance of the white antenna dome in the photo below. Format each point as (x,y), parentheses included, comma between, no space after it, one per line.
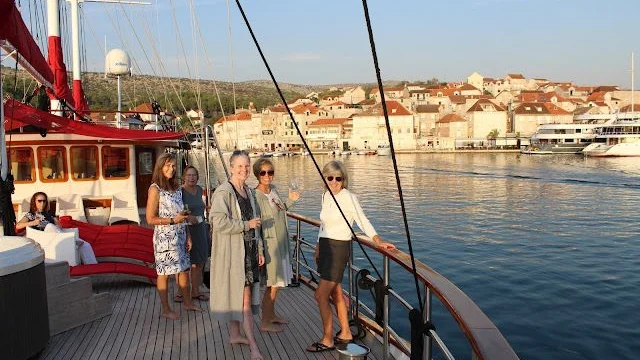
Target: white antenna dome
(117,63)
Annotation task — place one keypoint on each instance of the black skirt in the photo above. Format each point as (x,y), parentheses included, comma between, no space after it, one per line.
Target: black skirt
(332,258)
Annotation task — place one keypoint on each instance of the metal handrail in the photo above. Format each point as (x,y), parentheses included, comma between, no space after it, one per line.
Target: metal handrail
(483,336)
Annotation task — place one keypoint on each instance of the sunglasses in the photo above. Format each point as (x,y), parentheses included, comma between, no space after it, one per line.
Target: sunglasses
(338,178)
(41,200)
(270,172)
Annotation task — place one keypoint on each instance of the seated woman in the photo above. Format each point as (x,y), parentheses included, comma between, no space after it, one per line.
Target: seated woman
(40,218)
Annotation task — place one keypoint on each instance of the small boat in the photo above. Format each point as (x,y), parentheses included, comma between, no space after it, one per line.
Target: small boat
(256,154)
(384,150)
(347,152)
(535,151)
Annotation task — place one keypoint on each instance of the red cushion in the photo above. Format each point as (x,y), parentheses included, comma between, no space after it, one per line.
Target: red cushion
(113,268)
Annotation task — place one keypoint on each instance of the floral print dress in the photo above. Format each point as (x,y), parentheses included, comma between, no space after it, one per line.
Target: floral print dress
(170,241)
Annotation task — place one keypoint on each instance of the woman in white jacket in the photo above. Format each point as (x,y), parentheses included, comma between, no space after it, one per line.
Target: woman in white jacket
(333,250)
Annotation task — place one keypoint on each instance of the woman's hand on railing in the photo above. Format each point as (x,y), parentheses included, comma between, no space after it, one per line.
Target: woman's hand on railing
(383,244)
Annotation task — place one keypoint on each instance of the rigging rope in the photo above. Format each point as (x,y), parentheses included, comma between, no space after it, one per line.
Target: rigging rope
(393,154)
(233,80)
(304,142)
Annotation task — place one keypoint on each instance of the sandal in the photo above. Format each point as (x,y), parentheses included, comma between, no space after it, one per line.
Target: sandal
(339,340)
(178,298)
(319,347)
(201,297)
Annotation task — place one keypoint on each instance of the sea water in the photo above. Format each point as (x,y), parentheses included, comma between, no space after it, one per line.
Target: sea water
(547,246)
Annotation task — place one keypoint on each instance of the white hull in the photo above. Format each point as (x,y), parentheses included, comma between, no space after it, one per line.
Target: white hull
(617,150)
(384,151)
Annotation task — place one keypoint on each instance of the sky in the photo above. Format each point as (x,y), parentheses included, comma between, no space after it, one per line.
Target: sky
(588,42)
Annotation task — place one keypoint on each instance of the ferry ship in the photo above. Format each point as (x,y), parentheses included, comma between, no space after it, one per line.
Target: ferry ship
(562,138)
(617,138)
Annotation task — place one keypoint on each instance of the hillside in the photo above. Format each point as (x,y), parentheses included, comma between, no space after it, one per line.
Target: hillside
(174,94)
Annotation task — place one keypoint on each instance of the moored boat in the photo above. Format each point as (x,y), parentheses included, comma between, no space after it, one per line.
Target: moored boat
(617,138)
(384,150)
(564,138)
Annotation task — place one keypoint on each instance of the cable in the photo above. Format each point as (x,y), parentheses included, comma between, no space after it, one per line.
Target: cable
(304,142)
(393,154)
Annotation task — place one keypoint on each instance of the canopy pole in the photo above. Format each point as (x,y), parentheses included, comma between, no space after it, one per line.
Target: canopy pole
(3,143)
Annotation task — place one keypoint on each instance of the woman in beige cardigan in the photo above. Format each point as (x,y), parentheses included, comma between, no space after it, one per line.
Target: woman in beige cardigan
(236,254)
(273,213)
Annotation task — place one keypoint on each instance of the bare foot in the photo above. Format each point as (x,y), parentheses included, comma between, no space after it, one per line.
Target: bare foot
(279,320)
(191,307)
(255,355)
(270,326)
(170,315)
(239,340)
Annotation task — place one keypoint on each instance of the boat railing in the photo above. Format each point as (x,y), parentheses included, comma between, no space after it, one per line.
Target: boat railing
(483,336)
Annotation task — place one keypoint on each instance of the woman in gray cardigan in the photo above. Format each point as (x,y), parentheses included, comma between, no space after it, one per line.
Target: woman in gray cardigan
(236,254)
(273,213)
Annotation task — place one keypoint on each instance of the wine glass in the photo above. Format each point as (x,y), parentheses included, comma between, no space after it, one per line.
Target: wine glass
(293,184)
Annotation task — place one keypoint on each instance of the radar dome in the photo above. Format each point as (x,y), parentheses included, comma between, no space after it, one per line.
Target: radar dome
(117,63)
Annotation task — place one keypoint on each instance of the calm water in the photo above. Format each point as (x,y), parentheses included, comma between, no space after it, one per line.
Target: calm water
(548,247)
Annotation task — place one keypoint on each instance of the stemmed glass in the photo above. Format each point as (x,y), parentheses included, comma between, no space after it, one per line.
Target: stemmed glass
(293,185)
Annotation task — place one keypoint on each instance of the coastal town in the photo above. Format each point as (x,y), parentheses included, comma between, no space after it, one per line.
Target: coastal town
(480,112)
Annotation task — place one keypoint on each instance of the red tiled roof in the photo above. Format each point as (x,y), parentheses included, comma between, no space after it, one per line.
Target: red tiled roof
(449,118)
(458,99)
(303,108)
(326,122)
(243,116)
(597,96)
(144,108)
(468,87)
(539,96)
(516,76)
(422,109)
(370,101)
(394,108)
(478,106)
(278,108)
(532,108)
(336,103)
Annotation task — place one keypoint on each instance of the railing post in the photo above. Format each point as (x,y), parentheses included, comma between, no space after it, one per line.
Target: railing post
(385,313)
(298,234)
(352,303)
(426,317)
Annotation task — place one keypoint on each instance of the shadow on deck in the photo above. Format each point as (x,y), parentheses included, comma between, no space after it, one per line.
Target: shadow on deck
(136,331)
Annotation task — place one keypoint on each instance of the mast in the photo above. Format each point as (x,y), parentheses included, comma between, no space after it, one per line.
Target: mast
(53,31)
(632,83)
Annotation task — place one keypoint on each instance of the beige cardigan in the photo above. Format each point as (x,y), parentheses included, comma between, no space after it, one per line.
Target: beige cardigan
(275,236)
(227,254)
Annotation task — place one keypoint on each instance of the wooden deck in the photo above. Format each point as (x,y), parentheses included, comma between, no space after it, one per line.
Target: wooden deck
(136,331)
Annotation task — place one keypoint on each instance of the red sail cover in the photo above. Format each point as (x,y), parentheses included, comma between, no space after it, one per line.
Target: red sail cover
(78,97)
(56,63)
(13,29)
(18,114)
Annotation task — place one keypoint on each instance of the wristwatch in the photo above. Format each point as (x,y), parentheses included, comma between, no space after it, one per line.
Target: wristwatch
(171,221)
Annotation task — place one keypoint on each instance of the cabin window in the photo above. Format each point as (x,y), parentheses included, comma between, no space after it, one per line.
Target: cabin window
(22,165)
(52,163)
(115,162)
(84,163)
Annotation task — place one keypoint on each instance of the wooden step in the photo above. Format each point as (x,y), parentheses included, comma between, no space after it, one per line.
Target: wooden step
(80,312)
(59,297)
